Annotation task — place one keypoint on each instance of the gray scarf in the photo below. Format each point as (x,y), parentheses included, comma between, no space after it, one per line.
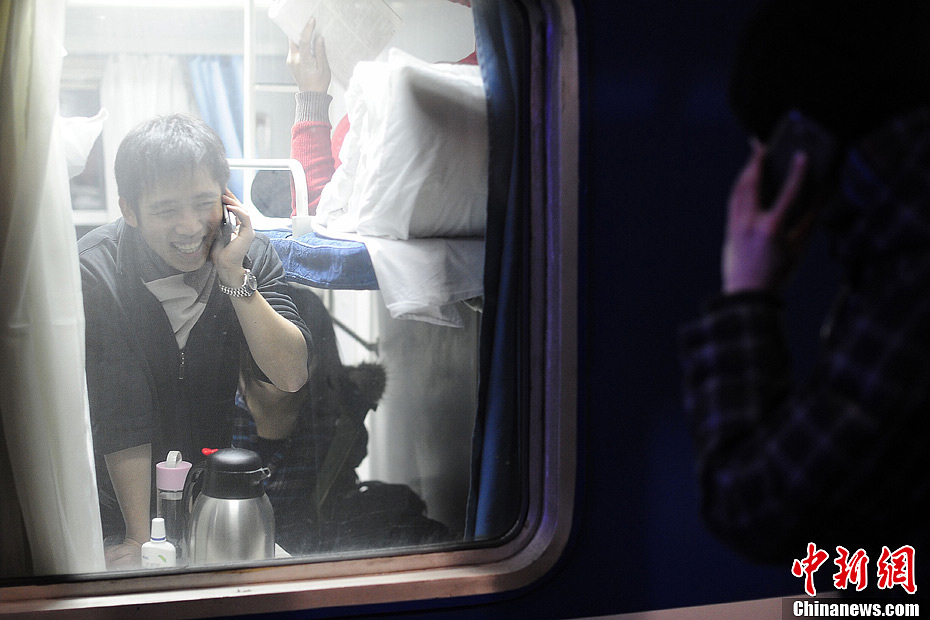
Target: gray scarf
(183,295)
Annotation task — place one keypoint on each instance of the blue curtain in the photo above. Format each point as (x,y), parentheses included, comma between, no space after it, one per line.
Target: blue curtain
(217,85)
(498,484)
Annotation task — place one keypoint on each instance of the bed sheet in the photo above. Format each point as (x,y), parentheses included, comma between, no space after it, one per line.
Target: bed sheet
(322,262)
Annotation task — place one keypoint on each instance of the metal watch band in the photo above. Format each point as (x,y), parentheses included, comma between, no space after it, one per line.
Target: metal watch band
(248,287)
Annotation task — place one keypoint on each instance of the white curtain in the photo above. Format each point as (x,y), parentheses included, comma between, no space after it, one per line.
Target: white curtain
(43,401)
(136,87)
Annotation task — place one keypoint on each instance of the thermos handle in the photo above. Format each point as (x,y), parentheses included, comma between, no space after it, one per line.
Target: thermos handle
(261,475)
(193,487)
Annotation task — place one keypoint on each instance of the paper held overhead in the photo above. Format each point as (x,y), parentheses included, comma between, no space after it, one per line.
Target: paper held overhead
(353,30)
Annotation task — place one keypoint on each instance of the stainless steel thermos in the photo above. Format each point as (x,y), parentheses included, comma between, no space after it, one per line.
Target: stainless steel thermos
(231,519)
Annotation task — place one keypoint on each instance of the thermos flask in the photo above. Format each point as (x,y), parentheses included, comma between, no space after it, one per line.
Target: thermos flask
(231,519)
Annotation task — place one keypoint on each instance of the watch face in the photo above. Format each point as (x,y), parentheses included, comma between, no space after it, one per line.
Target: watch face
(251,281)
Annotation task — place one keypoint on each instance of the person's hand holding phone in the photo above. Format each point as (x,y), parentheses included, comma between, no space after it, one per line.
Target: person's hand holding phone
(228,255)
(760,249)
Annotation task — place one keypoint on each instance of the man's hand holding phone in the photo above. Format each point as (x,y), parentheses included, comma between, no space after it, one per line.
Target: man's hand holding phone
(234,238)
(774,201)
(760,250)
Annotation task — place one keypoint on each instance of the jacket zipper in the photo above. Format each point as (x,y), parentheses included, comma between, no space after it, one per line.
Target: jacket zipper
(181,366)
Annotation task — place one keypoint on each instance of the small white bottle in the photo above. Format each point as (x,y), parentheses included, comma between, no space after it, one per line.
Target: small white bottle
(158,552)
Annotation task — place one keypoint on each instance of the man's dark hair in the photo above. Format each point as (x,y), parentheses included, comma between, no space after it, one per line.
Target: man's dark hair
(851,65)
(163,148)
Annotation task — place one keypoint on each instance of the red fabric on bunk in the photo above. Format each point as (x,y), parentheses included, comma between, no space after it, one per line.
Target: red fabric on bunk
(312,146)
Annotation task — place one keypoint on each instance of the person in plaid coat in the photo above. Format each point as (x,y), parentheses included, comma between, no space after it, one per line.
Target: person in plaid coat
(840,458)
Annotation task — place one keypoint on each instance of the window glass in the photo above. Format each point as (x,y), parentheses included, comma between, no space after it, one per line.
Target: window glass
(453,464)
(379,458)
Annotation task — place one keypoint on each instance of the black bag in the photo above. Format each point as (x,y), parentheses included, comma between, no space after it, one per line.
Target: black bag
(378,515)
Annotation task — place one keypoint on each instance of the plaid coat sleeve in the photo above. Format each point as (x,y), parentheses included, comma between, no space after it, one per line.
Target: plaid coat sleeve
(779,465)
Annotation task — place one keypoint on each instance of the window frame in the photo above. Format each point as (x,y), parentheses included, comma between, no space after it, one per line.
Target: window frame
(477,570)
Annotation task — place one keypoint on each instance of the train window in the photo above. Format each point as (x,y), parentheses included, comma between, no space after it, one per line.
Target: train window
(432,450)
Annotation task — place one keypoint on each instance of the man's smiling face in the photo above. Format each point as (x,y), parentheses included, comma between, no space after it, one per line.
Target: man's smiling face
(179,220)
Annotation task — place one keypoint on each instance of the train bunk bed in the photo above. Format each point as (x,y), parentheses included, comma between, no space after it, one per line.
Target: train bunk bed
(405,212)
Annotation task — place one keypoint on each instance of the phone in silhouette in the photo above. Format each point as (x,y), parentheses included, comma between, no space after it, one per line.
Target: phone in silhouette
(796,132)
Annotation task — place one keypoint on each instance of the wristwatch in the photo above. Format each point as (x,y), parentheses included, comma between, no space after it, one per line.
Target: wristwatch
(249,286)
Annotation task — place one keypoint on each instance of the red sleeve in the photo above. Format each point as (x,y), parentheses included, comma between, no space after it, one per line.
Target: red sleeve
(310,145)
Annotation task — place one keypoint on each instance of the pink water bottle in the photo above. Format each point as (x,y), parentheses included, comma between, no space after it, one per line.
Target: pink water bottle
(170,476)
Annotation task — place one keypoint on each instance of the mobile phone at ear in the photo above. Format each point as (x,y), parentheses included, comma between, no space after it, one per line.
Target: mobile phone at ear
(796,132)
(226,226)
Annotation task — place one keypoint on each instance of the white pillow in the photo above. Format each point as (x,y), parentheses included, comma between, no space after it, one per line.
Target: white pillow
(415,157)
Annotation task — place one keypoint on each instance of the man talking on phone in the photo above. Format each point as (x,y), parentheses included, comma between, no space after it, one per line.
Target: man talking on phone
(172,291)
(840,458)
